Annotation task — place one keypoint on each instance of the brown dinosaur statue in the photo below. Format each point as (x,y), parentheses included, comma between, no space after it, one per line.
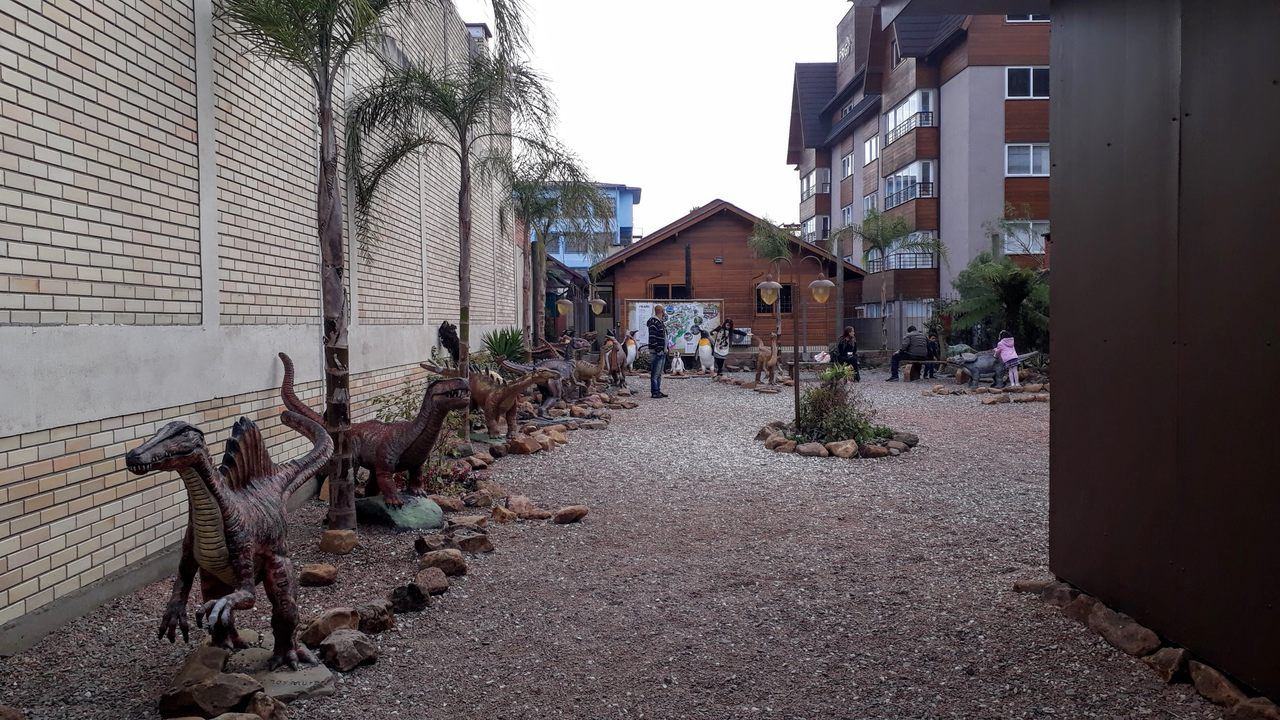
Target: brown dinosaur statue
(236,528)
(385,449)
(767,358)
(552,389)
(497,403)
(613,363)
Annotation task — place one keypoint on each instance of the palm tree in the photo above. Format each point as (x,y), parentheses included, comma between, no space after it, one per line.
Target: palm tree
(881,236)
(770,242)
(316,37)
(466,108)
(997,290)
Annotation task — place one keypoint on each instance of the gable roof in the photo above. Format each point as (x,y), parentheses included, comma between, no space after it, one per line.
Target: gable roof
(706,212)
(920,35)
(814,85)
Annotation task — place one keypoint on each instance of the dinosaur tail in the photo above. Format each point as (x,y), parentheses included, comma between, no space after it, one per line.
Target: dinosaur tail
(306,467)
(516,367)
(291,400)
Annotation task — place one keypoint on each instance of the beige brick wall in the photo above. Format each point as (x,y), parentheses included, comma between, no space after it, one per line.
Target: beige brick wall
(97,152)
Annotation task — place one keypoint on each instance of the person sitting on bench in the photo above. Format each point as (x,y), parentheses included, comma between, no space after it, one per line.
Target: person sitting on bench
(915,346)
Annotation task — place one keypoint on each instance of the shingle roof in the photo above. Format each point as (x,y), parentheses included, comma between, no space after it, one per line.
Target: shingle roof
(815,83)
(855,116)
(918,36)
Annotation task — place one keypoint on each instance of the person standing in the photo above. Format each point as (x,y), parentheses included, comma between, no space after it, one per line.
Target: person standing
(1008,354)
(657,350)
(847,351)
(933,350)
(721,339)
(915,346)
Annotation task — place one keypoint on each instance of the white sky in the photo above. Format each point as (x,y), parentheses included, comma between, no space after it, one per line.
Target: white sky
(689,100)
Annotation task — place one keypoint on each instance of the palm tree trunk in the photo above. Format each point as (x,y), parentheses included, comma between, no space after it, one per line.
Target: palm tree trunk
(838,252)
(526,259)
(464,247)
(540,289)
(337,413)
(884,318)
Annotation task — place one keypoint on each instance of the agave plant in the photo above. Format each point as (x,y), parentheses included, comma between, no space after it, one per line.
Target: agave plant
(505,344)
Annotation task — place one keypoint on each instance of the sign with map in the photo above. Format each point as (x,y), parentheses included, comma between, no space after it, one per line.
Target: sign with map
(684,317)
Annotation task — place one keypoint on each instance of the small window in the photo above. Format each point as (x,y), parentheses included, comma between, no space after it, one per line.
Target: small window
(871,149)
(784,299)
(826,227)
(846,166)
(1026,160)
(897,53)
(1025,237)
(669,292)
(1026,18)
(1026,83)
(846,215)
(868,204)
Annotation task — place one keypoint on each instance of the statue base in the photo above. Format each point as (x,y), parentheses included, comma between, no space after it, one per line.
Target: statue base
(417,513)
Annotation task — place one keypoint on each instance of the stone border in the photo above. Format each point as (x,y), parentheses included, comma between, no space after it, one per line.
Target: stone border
(1031,392)
(775,439)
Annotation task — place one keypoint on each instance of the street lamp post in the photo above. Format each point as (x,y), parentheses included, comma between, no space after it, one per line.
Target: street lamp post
(820,289)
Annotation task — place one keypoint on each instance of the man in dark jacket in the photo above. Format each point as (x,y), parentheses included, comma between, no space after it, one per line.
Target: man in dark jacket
(915,346)
(657,350)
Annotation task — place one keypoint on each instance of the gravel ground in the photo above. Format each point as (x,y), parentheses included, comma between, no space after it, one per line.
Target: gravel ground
(712,579)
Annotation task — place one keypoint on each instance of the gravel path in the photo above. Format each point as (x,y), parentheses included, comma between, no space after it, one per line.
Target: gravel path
(712,579)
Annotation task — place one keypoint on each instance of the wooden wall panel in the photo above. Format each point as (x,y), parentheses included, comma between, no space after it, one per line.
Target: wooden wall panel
(920,214)
(871,179)
(1031,193)
(921,143)
(913,284)
(955,60)
(1026,121)
(992,41)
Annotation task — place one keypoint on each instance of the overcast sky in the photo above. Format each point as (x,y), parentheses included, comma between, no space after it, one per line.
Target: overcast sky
(688,99)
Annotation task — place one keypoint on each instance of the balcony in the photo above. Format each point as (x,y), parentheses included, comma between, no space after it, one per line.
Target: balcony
(920,119)
(909,193)
(903,261)
(810,191)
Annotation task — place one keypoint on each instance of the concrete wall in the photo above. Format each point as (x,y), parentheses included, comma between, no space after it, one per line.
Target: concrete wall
(158,247)
(971,172)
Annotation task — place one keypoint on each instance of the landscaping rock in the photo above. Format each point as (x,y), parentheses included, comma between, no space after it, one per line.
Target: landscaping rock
(484,457)
(376,617)
(237,716)
(538,514)
(448,503)
(896,445)
(326,623)
(909,439)
(786,447)
(1033,387)
(201,664)
(768,390)
(497,451)
(417,513)
(894,452)
(774,441)
(9,713)
(1032,586)
(1215,686)
(874,451)
(765,433)
(1059,594)
(812,449)
(430,543)
(520,504)
(523,445)
(502,515)
(347,649)
(594,425)
(1122,631)
(338,542)
(843,448)
(409,598)
(995,399)
(1169,663)
(477,499)
(317,575)
(570,514)
(476,521)
(432,581)
(266,707)
(1258,708)
(473,542)
(215,694)
(284,685)
(476,463)
(1080,608)
(451,562)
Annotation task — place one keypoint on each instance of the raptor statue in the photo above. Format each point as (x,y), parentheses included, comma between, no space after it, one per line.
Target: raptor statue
(236,528)
(498,404)
(552,388)
(385,449)
(767,358)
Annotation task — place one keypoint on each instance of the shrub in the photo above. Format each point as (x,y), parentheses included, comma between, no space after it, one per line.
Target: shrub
(838,371)
(505,344)
(835,411)
(642,361)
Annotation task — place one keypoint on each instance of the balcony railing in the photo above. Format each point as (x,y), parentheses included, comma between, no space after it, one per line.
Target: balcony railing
(903,261)
(911,192)
(808,192)
(920,119)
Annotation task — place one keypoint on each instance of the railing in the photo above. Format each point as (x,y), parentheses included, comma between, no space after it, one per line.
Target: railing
(920,119)
(903,261)
(911,192)
(806,193)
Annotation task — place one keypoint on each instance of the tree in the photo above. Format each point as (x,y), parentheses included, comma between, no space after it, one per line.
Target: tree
(1016,229)
(883,235)
(316,37)
(464,107)
(995,290)
(770,242)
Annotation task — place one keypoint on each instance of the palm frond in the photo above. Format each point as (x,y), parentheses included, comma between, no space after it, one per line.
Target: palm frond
(770,242)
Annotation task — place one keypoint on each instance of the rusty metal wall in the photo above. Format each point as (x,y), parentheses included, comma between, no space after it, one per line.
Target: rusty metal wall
(1165,493)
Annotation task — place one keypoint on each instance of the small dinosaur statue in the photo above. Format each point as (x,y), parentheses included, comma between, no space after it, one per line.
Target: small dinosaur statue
(498,402)
(767,358)
(552,388)
(385,449)
(613,363)
(236,528)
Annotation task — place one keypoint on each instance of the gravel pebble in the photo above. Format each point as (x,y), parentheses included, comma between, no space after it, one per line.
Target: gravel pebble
(711,579)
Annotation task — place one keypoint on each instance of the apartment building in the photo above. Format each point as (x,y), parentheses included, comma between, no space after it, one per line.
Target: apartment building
(158,247)
(940,120)
(572,250)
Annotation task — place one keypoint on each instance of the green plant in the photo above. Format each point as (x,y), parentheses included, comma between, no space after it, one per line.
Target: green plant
(1008,296)
(882,235)
(834,411)
(642,362)
(838,371)
(505,344)
(400,405)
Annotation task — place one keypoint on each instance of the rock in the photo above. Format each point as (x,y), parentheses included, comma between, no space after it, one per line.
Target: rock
(894,452)
(765,433)
(1042,397)
(1033,387)
(484,457)
(9,713)
(578,411)
(909,439)
(995,399)
(786,447)
(462,450)
(874,451)
(1032,586)
(523,445)
(284,685)
(899,446)
(570,514)
(1258,708)
(408,598)
(347,649)
(338,542)
(1169,663)
(768,390)
(1122,631)
(266,707)
(327,622)
(520,504)
(451,562)
(376,617)
(477,499)
(237,716)
(473,542)
(430,543)
(497,451)
(201,664)
(476,463)
(447,503)
(843,448)
(417,513)
(981,390)
(432,581)
(594,425)
(317,575)
(774,441)
(477,521)
(1214,686)
(1080,608)
(545,441)
(491,488)
(538,514)
(1024,398)
(812,449)
(214,695)
(502,515)
(1059,594)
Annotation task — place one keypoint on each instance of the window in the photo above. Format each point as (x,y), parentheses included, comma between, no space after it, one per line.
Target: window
(1025,237)
(669,292)
(825,221)
(915,111)
(868,204)
(784,300)
(846,215)
(1026,18)
(815,182)
(846,166)
(871,150)
(809,230)
(897,53)
(606,294)
(847,109)
(1026,83)
(1026,160)
(909,183)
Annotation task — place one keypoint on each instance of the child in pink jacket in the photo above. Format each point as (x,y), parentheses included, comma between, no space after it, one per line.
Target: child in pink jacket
(1007,354)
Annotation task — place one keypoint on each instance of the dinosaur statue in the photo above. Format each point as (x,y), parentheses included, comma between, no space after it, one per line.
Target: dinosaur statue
(498,402)
(767,358)
(983,365)
(448,334)
(552,389)
(236,529)
(385,449)
(613,363)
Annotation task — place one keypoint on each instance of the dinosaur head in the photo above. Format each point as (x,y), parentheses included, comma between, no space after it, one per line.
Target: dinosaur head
(448,394)
(175,446)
